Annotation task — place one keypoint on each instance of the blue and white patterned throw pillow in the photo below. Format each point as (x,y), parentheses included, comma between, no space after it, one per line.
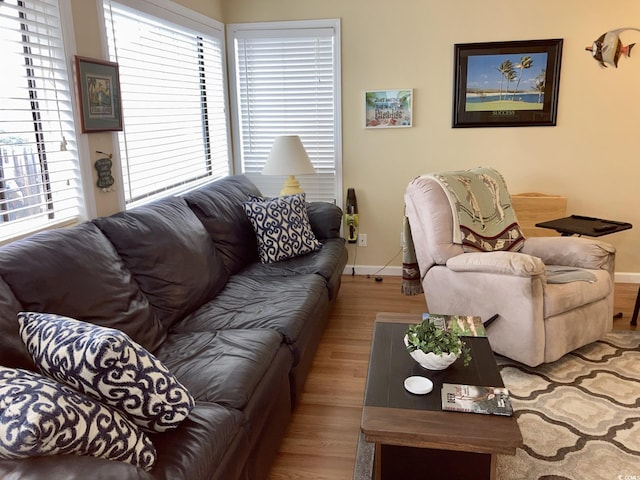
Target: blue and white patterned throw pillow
(39,416)
(282,228)
(106,364)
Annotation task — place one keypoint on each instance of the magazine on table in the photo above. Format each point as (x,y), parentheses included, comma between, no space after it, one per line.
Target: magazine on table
(463,325)
(476,399)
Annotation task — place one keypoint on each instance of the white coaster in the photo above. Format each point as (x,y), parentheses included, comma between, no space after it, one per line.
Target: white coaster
(418,385)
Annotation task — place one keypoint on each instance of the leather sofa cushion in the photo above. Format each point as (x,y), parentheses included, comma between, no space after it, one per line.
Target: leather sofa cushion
(194,450)
(331,257)
(170,255)
(221,366)
(218,205)
(77,273)
(283,304)
(201,444)
(13,352)
(71,467)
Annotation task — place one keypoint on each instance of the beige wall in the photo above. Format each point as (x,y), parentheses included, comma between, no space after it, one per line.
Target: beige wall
(591,156)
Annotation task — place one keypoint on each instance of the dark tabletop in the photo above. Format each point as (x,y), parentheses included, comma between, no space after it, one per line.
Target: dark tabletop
(390,364)
(581,225)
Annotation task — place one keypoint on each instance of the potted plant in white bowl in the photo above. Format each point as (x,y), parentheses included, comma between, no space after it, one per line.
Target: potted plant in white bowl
(434,348)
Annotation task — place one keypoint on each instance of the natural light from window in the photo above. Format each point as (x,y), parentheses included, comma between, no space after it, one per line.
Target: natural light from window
(38,158)
(173,103)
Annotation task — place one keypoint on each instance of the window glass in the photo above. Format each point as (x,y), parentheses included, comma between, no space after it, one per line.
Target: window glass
(40,183)
(286,81)
(173,98)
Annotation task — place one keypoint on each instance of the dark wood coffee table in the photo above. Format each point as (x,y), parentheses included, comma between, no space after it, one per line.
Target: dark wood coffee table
(413,437)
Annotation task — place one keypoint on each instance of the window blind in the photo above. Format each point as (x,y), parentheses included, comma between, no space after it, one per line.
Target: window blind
(40,183)
(173,98)
(286,82)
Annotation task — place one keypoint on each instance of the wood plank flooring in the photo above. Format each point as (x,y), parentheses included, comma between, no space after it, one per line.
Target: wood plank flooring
(320,443)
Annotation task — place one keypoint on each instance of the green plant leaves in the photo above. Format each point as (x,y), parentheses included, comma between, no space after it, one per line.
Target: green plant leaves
(428,337)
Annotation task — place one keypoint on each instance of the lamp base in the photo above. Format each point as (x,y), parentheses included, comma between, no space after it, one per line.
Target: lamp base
(291,186)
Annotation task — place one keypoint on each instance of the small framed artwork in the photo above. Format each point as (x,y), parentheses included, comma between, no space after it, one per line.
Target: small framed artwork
(388,108)
(98,88)
(506,84)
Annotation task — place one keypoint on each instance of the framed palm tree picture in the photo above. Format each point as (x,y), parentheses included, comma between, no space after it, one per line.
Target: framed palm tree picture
(506,84)
(98,90)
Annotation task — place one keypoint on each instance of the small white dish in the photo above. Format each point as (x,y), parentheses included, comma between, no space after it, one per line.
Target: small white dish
(418,385)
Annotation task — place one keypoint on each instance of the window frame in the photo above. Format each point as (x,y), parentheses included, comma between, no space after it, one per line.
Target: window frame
(176,14)
(86,202)
(284,27)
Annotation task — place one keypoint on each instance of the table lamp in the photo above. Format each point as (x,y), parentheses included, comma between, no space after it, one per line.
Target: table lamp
(288,157)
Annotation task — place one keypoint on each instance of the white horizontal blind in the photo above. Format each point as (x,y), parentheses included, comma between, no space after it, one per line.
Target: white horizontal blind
(40,184)
(286,82)
(173,101)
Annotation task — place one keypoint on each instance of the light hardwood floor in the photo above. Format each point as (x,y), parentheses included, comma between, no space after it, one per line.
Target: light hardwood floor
(321,440)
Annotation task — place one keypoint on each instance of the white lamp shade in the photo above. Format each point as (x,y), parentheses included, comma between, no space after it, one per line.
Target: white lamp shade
(288,157)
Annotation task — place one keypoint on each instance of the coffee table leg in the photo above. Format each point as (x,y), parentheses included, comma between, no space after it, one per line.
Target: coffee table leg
(634,318)
(377,465)
(494,459)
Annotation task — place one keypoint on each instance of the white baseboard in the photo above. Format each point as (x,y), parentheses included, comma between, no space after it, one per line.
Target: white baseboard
(627,277)
(620,277)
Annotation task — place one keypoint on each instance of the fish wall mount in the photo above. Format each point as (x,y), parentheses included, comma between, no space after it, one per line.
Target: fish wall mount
(608,48)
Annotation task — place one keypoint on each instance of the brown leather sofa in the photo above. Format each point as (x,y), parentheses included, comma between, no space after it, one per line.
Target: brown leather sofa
(182,278)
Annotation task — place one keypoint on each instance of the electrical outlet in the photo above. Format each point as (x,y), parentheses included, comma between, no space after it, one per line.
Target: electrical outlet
(362,239)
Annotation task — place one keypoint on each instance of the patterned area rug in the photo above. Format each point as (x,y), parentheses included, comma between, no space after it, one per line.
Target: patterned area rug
(579,416)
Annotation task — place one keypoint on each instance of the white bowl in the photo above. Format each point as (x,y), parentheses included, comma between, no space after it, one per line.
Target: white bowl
(430,360)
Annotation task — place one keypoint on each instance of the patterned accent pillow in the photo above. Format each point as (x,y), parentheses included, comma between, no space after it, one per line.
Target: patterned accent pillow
(282,227)
(39,416)
(107,365)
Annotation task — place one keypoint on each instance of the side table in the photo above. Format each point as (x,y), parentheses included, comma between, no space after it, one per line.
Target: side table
(592,227)
(581,225)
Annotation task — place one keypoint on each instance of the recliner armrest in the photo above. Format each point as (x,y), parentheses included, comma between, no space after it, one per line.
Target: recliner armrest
(571,252)
(504,263)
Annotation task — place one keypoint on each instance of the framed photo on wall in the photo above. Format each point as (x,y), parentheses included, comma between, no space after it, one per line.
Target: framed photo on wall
(506,84)
(388,108)
(98,89)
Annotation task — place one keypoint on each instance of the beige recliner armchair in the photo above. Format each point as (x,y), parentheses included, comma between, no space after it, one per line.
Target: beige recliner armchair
(553,295)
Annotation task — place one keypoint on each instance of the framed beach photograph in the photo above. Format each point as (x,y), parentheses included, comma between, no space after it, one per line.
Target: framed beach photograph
(98,89)
(506,84)
(388,108)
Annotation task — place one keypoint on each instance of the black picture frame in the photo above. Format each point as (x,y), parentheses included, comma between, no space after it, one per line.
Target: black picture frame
(98,91)
(482,73)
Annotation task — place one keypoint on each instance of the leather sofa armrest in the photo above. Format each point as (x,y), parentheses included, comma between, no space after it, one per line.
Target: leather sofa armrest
(571,252)
(503,263)
(325,219)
